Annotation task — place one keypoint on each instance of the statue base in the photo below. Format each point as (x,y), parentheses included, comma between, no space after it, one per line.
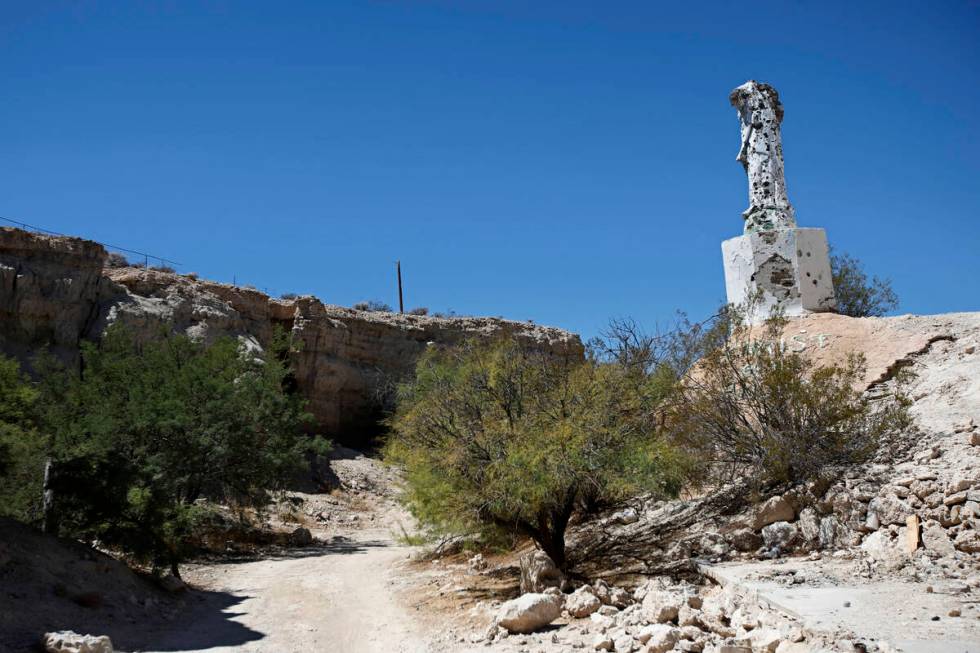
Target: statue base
(789,268)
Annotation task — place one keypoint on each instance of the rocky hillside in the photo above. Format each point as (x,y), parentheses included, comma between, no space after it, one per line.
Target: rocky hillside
(57,291)
(882,556)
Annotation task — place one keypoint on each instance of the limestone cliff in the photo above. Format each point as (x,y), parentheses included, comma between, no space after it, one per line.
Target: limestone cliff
(58,291)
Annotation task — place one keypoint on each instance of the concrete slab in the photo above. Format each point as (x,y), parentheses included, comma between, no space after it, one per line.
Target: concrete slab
(834,598)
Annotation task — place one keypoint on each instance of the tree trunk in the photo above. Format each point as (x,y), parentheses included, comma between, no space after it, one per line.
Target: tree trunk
(49,514)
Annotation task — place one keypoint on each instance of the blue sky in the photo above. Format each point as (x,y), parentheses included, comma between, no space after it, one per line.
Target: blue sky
(565,162)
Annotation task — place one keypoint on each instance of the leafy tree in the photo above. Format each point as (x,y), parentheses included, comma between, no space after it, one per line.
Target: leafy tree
(21,455)
(857,296)
(498,437)
(144,431)
(754,407)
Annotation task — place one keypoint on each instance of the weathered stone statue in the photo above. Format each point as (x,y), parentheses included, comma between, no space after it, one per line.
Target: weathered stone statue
(774,264)
(761,154)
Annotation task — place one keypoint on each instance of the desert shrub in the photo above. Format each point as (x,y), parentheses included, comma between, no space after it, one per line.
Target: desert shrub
(374,306)
(163,268)
(117,260)
(666,353)
(288,295)
(421,310)
(21,452)
(497,437)
(858,296)
(752,407)
(144,432)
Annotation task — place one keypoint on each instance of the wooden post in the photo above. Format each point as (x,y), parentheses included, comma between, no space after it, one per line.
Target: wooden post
(401,302)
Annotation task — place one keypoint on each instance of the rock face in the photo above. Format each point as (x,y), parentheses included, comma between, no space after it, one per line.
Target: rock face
(51,290)
(57,292)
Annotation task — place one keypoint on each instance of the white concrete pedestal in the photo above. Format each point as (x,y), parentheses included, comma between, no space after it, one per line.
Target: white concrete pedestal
(791,268)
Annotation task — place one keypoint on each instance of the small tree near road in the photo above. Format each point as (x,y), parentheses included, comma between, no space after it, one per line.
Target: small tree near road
(21,454)
(500,437)
(142,433)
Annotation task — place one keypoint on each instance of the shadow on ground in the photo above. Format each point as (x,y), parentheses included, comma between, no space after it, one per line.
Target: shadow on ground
(158,629)
(212,626)
(336,546)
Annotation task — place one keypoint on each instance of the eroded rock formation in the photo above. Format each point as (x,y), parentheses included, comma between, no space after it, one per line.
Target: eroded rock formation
(57,292)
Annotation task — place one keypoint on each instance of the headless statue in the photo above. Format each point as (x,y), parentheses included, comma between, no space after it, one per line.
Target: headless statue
(761,154)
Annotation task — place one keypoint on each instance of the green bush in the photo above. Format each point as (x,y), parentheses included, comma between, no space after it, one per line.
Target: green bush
(143,432)
(497,437)
(858,296)
(752,407)
(21,451)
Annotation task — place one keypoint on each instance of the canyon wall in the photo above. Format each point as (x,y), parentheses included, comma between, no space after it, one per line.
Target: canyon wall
(57,291)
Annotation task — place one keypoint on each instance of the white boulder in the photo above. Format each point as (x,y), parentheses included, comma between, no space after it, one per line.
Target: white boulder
(68,641)
(528,612)
(582,602)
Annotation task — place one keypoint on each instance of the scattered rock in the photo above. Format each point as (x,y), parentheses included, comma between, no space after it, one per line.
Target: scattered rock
(809,525)
(968,541)
(67,641)
(659,638)
(779,535)
(582,602)
(602,643)
(832,533)
(713,544)
(626,516)
(955,499)
(774,510)
(539,572)
(881,547)
(934,538)
(745,539)
(301,537)
(889,509)
(765,640)
(172,584)
(528,613)
(477,563)
(661,606)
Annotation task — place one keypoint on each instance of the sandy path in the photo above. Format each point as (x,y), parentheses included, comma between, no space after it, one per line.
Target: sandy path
(338,599)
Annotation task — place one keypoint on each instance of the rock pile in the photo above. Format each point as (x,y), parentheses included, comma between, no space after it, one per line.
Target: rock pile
(658,616)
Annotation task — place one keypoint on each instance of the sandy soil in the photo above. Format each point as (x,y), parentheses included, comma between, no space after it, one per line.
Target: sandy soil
(344,593)
(338,597)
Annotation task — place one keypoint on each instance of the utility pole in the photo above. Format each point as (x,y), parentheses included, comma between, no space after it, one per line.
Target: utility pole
(401,302)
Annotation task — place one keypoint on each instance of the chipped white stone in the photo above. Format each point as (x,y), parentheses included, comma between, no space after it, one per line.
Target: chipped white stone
(788,266)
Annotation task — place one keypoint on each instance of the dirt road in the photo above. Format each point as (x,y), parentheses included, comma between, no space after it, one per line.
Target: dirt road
(335,598)
(339,596)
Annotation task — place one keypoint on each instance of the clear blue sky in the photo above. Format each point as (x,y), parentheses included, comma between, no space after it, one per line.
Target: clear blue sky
(564,162)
